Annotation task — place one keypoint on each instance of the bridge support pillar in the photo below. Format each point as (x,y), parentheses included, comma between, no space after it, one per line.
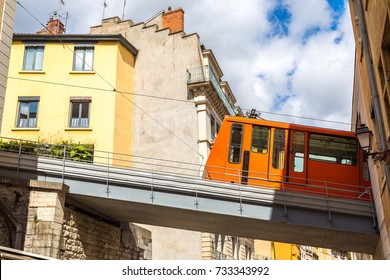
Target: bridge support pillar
(32,215)
(45,218)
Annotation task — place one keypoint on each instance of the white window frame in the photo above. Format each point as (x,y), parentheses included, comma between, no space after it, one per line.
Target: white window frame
(37,64)
(27,122)
(83,57)
(80,121)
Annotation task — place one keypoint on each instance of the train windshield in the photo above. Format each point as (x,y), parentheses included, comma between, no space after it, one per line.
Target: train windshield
(334,149)
(235,143)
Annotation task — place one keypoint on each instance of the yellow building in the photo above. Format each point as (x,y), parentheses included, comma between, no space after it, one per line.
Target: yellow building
(270,250)
(74,88)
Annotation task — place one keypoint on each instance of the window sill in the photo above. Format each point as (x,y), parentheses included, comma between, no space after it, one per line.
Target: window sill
(82,72)
(78,129)
(25,129)
(32,72)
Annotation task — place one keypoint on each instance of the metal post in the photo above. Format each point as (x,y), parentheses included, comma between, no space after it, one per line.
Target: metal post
(284,199)
(63,164)
(19,158)
(328,202)
(240,209)
(152,197)
(372,207)
(196,185)
(108,175)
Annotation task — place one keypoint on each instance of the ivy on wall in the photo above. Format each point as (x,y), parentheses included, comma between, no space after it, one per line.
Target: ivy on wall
(67,149)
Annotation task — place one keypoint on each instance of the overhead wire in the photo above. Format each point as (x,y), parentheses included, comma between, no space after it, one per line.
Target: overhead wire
(299,117)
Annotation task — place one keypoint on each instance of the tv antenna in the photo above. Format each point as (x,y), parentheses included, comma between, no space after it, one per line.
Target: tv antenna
(62,16)
(124,7)
(104,7)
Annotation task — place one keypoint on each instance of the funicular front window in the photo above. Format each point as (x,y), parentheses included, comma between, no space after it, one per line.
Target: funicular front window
(334,149)
(235,143)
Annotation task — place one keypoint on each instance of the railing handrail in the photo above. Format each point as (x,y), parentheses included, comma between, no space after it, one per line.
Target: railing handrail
(184,170)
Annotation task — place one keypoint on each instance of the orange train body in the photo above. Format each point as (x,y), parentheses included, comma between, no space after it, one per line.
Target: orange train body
(291,157)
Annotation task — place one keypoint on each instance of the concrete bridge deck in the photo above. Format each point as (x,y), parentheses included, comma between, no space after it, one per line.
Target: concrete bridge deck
(192,203)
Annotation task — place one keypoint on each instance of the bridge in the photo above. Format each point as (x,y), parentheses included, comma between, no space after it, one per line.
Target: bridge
(174,194)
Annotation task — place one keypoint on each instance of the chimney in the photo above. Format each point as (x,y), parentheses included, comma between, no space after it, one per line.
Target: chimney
(54,26)
(173,19)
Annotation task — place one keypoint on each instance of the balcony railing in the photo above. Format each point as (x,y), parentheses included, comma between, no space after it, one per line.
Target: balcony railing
(206,74)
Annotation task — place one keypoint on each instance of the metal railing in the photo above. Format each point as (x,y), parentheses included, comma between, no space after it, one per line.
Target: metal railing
(177,176)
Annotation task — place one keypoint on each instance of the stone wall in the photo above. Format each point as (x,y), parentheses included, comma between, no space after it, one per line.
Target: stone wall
(88,237)
(14,210)
(34,218)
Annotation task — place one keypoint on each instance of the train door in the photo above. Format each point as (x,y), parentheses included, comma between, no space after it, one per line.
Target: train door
(234,167)
(258,156)
(297,173)
(277,160)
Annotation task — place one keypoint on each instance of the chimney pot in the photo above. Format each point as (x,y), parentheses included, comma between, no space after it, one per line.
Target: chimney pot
(53,26)
(174,20)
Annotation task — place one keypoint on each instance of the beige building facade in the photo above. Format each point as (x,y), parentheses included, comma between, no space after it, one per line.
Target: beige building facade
(371,105)
(7,15)
(180,101)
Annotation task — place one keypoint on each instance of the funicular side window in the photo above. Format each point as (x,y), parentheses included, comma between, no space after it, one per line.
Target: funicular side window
(259,139)
(299,151)
(334,149)
(278,151)
(235,143)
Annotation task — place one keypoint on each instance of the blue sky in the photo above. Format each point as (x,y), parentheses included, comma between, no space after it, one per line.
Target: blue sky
(285,56)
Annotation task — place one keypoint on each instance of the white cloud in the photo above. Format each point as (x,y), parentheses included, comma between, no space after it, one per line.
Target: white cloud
(279,73)
(307,15)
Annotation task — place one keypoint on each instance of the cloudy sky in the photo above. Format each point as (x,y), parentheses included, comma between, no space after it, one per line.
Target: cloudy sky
(288,57)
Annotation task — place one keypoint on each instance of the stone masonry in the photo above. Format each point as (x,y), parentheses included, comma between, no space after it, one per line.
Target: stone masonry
(34,217)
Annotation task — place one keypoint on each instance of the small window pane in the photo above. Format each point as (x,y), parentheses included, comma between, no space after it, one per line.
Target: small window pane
(298,151)
(29,59)
(39,59)
(278,150)
(235,143)
(83,58)
(33,58)
(84,109)
(28,112)
(259,139)
(334,149)
(78,60)
(79,114)
(88,59)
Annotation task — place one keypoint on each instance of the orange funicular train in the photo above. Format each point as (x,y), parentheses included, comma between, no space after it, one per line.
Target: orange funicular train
(290,157)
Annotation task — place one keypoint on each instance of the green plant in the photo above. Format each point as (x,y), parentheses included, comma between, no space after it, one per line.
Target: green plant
(75,152)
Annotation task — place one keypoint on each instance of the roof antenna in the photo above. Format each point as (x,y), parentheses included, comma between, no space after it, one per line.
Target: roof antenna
(253,114)
(124,6)
(104,7)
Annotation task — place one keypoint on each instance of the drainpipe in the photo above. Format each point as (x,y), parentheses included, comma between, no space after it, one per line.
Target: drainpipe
(374,90)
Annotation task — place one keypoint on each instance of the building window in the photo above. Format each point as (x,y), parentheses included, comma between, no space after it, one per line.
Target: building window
(27,112)
(79,112)
(214,127)
(33,57)
(83,58)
